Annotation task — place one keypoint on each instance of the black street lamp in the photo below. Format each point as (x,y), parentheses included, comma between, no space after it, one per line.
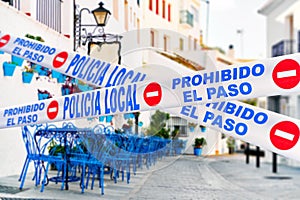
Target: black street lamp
(101,16)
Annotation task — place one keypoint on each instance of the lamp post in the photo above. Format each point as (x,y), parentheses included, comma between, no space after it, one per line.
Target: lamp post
(101,16)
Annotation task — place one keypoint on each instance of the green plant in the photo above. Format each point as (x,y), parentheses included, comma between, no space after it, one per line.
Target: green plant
(55,149)
(175,133)
(191,124)
(38,38)
(158,125)
(200,142)
(230,142)
(28,69)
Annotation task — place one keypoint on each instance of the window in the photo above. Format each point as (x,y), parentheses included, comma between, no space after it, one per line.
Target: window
(49,13)
(169,12)
(14,3)
(130,14)
(138,30)
(164,9)
(126,14)
(134,19)
(116,9)
(152,35)
(157,7)
(190,42)
(195,14)
(181,44)
(195,44)
(166,41)
(138,2)
(150,5)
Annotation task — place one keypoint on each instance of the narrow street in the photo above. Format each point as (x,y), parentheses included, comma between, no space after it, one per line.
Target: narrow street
(219,177)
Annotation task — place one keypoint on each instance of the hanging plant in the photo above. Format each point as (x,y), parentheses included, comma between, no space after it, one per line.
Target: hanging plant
(27,75)
(17,60)
(44,95)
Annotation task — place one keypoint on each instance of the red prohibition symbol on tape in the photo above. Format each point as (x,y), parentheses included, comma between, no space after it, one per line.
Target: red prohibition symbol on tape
(4,40)
(52,110)
(284,135)
(286,74)
(152,94)
(60,59)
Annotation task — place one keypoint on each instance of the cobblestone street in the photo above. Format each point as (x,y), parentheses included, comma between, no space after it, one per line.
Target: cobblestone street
(184,177)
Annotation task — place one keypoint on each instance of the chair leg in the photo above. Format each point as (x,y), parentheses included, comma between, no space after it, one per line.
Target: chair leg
(24,175)
(82,178)
(23,169)
(64,176)
(45,177)
(102,180)
(88,178)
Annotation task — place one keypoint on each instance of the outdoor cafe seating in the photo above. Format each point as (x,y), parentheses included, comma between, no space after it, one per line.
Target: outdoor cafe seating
(84,155)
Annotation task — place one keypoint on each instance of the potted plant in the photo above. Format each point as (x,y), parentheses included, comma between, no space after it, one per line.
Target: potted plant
(55,74)
(9,68)
(27,74)
(192,126)
(17,60)
(203,128)
(198,145)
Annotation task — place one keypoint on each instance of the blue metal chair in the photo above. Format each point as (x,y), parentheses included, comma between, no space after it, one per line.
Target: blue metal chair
(33,155)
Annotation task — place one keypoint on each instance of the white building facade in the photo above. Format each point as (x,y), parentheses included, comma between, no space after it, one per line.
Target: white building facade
(154,32)
(283,37)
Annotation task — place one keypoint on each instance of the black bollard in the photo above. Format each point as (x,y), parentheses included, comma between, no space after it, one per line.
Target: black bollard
(257,156)
(247,152)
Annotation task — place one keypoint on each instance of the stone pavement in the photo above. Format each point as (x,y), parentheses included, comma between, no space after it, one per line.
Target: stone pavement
(183,177)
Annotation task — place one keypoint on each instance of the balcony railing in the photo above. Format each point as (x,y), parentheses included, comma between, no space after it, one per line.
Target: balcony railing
(49,13)
(283,47)
(186,18)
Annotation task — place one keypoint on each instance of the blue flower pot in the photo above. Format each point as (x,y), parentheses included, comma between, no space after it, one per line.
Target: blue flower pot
(192,129)
(197,151)
(65,91)
(8,69)
(42,96)
(61,78)
(27,77)
(55,74)
(37,68)
(109,118)
(18,61)
(1,52)
(43,72)
(102,118)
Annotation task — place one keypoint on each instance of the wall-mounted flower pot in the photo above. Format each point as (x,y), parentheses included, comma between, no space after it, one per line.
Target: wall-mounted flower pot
(192,129)
(17,60)
(1,52)
(37,68)
(101,118)
(65,91)
(44,71)
(203,129)
(109,118)
(55,74)
(42,96)
(61,78)
(27,77)
(8,68)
